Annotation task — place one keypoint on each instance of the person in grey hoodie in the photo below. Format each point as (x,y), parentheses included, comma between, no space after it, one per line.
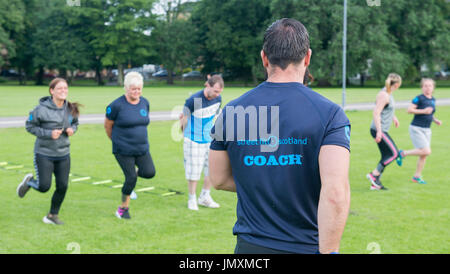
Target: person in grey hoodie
(53,121)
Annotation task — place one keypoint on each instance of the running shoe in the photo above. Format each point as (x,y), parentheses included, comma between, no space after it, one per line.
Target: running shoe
(53,220)
(207,201)
(375,182)
(122,213)
(192,204)
(400,157)
(418,180)
(23,187)
(376,188)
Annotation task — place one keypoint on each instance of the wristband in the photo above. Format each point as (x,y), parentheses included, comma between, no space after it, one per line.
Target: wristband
(334,252)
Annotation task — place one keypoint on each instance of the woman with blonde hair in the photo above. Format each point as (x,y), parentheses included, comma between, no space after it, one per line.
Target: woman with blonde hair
(423,107)
(53,121)
(383,116)
(126,123)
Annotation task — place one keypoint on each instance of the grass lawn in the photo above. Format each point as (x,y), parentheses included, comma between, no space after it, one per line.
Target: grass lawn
(408,218)
(19,100)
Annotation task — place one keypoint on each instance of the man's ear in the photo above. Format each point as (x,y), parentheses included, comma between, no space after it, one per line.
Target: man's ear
(308,58)
(264,59)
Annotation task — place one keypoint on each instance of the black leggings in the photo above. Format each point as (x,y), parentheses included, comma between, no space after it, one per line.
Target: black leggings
(146,169)
(388,150)
(46,166)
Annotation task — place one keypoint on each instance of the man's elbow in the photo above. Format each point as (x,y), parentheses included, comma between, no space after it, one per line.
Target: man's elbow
(216,182)
(339,197)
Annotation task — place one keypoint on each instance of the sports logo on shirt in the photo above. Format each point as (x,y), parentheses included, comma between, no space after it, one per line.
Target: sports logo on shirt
(347,132)
(143,112)
(108,110)
(282,160)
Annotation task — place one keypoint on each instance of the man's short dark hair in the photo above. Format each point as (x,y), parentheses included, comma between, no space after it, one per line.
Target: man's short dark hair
(286,42)
(214,79)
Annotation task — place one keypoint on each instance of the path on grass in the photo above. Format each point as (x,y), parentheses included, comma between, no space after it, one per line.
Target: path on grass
(9,122)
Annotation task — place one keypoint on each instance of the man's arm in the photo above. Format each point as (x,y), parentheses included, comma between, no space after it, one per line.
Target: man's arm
(183,122)
(220,172)
(108,127)
(334,203)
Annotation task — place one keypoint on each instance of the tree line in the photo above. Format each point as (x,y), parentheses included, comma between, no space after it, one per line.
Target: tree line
(220,36)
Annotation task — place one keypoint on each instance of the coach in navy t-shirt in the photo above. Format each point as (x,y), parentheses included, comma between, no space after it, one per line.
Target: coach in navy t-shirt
(126,123)
(285,150)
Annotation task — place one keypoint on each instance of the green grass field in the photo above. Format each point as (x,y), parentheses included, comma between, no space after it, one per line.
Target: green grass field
(408,218)
(19,100)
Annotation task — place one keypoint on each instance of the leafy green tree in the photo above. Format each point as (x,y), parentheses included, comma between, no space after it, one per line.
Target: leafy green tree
(174,37)
(422,31)
(23,59)
(125,34)
(12,14)
(230,35)
(368,38)
(56,45)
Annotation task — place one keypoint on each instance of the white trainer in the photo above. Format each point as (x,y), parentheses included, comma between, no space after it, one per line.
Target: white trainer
(192,204)
(207,201)
(133,195)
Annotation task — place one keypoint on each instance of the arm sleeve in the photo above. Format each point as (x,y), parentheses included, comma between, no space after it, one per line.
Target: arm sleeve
(218,133)
(111,111)
(337,131)
(33,125)
(188,107)
(74,124)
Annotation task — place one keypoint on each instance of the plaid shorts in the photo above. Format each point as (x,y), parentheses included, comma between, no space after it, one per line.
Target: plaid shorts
(195,159)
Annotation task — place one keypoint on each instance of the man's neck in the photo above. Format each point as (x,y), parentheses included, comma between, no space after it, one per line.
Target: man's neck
(293,73)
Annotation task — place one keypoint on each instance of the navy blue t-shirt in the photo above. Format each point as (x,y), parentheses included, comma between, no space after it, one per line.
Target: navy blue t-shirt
(422,102)
(129,132)
(201,113)
(277,171)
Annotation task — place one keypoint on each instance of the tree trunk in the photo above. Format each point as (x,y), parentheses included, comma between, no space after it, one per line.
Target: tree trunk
(169,77)
(98,74)
(63,73)
(40,76)
(22,80)
(70,78)
(362,79)
(120,76)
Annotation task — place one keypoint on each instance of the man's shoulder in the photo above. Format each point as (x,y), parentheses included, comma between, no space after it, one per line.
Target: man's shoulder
(190,99)
(319,102)
(247,97)
(197,94)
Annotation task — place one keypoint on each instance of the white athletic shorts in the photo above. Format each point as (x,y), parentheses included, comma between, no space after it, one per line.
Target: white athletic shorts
(195,159)
(420,136)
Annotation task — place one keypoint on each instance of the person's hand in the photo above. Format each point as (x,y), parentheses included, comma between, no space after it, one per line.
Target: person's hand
(56,133)
(396,122)
(181,118)
(438,122)
(378,136)
(428,110)
(69,131)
